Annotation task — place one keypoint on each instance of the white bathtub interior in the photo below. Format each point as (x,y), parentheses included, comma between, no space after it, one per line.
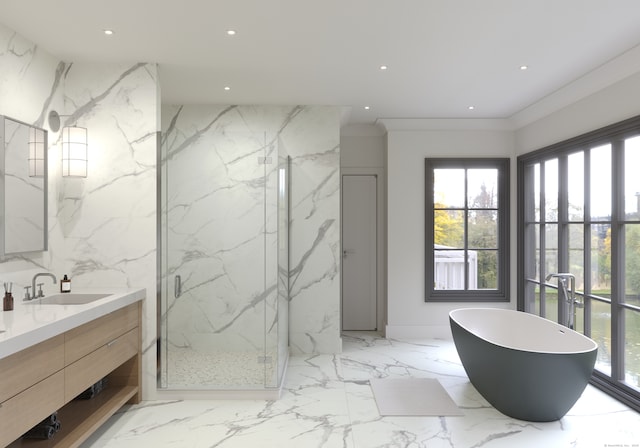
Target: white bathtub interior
(521,331)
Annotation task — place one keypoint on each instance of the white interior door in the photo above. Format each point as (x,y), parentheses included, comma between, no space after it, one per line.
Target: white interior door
(359,252)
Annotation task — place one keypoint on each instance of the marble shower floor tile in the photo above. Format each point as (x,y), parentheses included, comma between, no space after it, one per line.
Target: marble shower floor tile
(327,402)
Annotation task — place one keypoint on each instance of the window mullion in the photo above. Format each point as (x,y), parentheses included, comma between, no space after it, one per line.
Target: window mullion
(587,242)
(617,260)
(466,231)
(563,230)
(543,242)
(527,299)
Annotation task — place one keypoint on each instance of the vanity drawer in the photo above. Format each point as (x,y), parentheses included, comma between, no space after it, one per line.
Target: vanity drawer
(88,337)
(89,369)
(25,368)
(30,407)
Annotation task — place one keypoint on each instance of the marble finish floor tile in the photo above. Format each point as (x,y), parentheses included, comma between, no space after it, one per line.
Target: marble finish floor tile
(327,402)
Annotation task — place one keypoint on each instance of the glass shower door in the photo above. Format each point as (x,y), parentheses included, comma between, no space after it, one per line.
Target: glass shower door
(216,239)
(281,336)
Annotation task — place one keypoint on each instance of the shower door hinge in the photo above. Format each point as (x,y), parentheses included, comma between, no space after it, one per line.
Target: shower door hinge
(265,160)
(265,360)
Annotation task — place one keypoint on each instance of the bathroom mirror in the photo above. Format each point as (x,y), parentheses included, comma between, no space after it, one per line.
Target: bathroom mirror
(23,187)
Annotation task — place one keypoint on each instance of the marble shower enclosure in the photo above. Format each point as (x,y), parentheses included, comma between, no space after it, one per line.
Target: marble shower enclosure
(218,239)
(222,221)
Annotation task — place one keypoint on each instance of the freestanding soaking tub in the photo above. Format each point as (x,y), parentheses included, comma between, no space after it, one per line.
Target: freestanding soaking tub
(527,367)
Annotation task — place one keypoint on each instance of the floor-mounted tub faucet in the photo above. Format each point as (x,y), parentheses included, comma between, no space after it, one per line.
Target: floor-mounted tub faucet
(570,298)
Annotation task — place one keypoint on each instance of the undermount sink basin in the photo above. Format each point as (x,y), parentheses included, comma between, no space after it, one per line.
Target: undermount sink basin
(69,299)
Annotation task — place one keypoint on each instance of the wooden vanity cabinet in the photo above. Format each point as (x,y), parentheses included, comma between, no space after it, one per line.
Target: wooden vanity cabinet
(46,378)
(31,382)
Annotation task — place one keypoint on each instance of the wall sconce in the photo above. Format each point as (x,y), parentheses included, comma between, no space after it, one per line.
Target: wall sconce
(37,151)
(74,151)
(74,147)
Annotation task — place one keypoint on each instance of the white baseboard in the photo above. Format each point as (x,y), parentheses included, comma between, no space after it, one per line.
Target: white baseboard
(418,332)
(309,343)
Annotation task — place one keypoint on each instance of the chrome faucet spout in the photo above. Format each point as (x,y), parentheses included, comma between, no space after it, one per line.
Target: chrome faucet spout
(564,275)
(33,283)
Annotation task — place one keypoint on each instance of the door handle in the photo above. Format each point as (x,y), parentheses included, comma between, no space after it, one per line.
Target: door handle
(177,286)
(347,251)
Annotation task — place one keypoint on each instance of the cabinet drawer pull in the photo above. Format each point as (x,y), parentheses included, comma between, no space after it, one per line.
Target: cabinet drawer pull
(109,344)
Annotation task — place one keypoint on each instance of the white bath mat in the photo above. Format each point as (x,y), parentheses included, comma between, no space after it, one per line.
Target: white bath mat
(412,396)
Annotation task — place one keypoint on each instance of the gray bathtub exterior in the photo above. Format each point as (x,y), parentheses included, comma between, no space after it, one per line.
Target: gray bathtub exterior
(539,387)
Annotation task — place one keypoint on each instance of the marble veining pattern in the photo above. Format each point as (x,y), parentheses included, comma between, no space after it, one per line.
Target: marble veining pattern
(220,222)
(30,85)
(219,226)
(327,402)
(101,228)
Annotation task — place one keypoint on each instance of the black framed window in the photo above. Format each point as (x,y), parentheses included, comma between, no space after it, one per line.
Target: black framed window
(579,213)
(467,229)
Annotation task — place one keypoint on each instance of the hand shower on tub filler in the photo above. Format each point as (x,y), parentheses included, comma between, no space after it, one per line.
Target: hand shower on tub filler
(569,296)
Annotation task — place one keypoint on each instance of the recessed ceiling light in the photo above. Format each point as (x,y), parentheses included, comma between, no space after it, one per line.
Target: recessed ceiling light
(367,107)
(231,32)
(383,67)
(108,32)
(471,107)
(524,67)
(227,88)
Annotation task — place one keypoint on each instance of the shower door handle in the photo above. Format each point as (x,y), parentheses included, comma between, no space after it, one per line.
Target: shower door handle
(177,286)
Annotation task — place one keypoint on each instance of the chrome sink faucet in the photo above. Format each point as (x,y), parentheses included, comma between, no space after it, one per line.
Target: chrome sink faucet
(569,298)
(33,285)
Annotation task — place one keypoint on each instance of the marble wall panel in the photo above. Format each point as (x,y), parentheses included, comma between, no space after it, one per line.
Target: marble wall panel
(102,229)
(311,138)
(108,219)
(30,86)
(30,79)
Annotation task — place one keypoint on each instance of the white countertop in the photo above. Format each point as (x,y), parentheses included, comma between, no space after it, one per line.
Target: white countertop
(31,323)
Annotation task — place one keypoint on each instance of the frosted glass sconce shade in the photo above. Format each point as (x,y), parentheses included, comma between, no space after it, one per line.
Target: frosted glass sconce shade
(74,151)
(36,152)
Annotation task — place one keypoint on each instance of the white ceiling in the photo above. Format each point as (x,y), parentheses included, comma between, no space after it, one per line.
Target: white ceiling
(443,55)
